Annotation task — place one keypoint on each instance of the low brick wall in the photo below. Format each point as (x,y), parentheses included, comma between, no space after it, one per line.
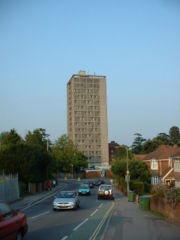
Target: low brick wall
(93,174)
(161,206)
(108,173)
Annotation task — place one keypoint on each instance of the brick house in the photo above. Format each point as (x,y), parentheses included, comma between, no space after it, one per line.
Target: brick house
(176,160)
(164,164)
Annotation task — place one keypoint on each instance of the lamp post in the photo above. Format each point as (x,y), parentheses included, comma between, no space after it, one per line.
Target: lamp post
(127,171)
(72,170)
(47,149)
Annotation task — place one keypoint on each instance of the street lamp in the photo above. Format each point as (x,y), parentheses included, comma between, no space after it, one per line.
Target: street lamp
(47,148)
(47,142)
(72,170)
(127,171)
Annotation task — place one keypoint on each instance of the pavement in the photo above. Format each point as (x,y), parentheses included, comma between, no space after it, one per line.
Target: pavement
(31,200)
(127,221)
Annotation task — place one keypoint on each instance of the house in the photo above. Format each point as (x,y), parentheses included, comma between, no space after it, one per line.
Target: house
(176,161)
(164,164)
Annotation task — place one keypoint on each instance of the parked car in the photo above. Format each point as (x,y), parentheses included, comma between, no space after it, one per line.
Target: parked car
(13,223)
(91,184)
(98,182)
(105,191)
(66,200)
(84,189)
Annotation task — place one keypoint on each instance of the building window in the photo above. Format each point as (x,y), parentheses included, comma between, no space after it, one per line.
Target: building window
(177,165)
(155,180)
(154,164)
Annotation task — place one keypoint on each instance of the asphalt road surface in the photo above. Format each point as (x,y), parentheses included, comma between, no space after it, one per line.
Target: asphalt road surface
(96,219)
(84,223)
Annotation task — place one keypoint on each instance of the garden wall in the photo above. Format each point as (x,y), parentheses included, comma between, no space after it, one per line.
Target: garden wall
(170,212)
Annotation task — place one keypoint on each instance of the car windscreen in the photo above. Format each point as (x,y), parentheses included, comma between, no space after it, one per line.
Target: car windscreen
(84,186)
(105,187)
(66,195)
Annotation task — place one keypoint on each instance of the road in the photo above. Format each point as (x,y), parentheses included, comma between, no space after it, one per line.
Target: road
(83,223)
(96,219)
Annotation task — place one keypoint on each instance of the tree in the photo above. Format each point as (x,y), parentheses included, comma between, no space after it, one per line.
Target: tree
(149,146)
(29,158)
(66,155)
(174,135)
(121,152)
(9,138)
(139,171)
(137,145)
(139,174)
(37,138)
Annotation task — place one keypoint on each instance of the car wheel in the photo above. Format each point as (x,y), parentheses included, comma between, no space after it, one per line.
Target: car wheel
(19,236)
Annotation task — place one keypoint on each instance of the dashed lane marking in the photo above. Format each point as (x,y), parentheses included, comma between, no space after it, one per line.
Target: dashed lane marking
(92,214)
(40,215)
(100,205)
(78,226)
(64,238)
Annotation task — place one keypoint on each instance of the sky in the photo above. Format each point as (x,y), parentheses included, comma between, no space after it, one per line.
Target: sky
(134,43)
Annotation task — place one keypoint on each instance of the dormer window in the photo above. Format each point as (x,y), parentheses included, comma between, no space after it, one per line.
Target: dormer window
(154,164)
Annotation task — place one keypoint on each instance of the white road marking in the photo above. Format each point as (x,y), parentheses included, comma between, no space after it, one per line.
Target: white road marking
(31,204)
(92,214)
(85,220)
(64,238)
(100,205)
(97,230)
(42,214)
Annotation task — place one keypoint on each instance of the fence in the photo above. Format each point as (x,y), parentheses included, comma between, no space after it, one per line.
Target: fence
(9,187)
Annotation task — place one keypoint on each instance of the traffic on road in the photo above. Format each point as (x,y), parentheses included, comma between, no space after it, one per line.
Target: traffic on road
(104,214)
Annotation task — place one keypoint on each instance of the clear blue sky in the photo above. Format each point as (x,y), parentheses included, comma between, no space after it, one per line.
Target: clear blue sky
(135,43)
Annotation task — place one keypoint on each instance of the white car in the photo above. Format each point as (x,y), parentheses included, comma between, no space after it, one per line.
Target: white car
(105,191)
(66,200)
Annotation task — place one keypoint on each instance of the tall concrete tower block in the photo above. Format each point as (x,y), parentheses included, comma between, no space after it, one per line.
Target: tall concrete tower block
(87,117)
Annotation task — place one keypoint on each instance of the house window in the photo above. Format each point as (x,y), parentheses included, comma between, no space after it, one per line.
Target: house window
(177,165)
(154,164)
(155,180)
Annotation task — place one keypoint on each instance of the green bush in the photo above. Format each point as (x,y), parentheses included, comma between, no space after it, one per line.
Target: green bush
(170,194)
(147,187)
(137,186)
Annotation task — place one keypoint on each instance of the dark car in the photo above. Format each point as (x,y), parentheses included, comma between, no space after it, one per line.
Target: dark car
(98,182)
(91,184)
(13,223)
(105,191)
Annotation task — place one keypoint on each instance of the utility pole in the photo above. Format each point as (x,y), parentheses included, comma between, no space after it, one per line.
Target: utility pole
(47,148)
(127,171)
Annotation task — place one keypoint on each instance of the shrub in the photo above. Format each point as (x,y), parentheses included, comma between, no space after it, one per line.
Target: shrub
(137,186)
(170,194)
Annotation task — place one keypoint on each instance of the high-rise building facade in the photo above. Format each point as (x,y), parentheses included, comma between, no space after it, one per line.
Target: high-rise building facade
(87,117)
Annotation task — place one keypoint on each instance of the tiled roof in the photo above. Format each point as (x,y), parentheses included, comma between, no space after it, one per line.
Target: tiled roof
(163,152)
(139,156)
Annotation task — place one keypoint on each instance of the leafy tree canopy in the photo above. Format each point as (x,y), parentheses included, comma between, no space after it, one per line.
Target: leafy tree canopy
(38,137)
(9,138)
(138,170)
(137,146)
(174,135)
(67,155)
